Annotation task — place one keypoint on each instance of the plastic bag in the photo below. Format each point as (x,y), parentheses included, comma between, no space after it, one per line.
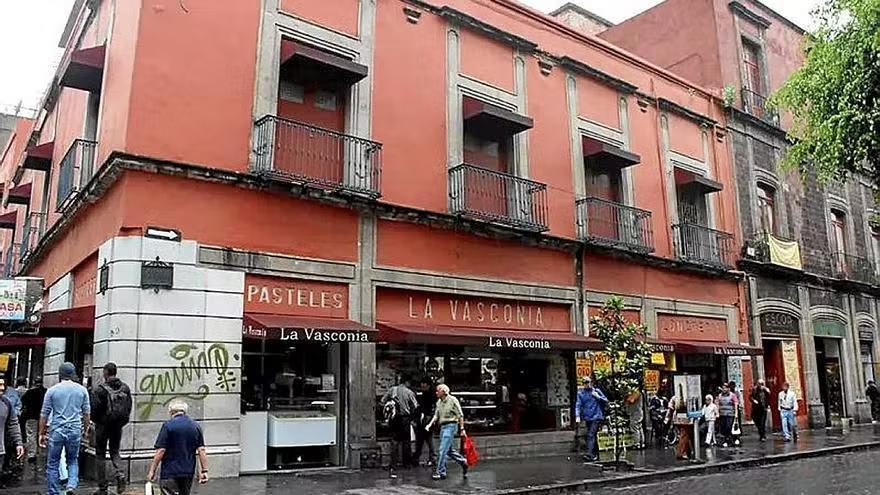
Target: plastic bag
(470,451)
(148,488)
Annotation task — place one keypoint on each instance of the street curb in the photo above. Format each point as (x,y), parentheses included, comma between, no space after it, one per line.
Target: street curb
(667,474)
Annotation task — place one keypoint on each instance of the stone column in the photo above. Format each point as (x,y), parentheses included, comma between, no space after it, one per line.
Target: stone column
(60,297)
(857,406)
(813,399)
(179,343)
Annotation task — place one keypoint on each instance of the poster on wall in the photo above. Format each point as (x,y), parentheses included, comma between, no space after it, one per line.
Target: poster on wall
(583,368)
(791,366)
(13,298)
(652,381)
(735,374)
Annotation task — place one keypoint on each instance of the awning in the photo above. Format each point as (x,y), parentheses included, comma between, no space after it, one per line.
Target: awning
(8,220)
(39,157)
(608,155)
(62,322)
(305,328)
(492,122)
(85,69)
(696,182)
(19,195)
(319,66)
(501,339)
(21,341)
(718,348)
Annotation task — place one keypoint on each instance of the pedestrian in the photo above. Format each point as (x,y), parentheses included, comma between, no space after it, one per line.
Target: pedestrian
(64,417)
(179,442)
(13,395)
(657,408)
(787,412)
(111,412)
(727,405)
(589,405)
(400,406)
(760,398)
(448,414)
(427,401)
(710,415)
(31,403)
(635,411)
(10,467)
(10,432)
(873,394)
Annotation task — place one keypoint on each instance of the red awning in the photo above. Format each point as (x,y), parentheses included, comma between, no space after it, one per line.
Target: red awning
(490,121)
(85,69)
(8,220)
(305,328)
(39,157)
(699,183)
(19,195)
(61,322)
(317,65)
(607,155)
(21,341)
(501,339)
(719,348)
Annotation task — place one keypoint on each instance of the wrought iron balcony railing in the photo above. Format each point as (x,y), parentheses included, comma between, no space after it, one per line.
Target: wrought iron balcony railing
(755,104)
(302,153)
(854,268)
(76,169)
(497,197)
(772,248)
(611,224)
(703,246)
(32,231)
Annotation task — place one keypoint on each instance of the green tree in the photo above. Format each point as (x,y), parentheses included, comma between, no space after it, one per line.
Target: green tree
(624,342)
(834,98)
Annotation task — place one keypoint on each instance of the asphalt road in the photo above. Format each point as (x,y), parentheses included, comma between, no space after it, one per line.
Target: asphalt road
(844,474)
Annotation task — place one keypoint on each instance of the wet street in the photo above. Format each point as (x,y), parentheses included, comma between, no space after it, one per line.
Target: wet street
(845,474)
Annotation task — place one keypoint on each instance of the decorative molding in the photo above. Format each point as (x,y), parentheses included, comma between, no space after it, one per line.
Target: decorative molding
(412,15)
(671,106)
(545,66)
(489,30)
(607,79)
(747,14)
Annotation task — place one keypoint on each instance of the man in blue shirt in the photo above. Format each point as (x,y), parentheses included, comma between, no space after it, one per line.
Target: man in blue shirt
(588,408)
(63,419)
(179,441)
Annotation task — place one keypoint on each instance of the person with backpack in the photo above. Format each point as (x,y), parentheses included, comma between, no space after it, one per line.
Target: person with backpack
(399,406)
(110,411)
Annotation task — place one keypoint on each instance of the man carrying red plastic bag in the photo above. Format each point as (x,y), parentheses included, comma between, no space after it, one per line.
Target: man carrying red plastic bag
(449,416)
(470,451)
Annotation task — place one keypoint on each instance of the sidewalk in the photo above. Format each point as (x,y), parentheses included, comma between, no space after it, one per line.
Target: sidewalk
(534,475)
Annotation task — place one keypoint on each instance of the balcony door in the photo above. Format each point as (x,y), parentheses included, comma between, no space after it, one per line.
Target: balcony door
(487,190)
(695,240)
(838,232)
(603,217)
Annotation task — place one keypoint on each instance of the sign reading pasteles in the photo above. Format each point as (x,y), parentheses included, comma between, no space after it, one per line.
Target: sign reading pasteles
(423,308)
(289,296)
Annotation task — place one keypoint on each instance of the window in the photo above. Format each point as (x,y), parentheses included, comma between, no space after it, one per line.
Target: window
(754,80)
(767,208)
(838,225)
(875,244)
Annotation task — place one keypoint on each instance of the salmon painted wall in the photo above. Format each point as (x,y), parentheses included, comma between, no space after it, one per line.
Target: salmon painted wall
(338,15)
(614,276)
(648,186)
(420,247)
(686,137)
(413,135)
(194,82)
(678,35)
(487,60)
(598,102)
(240,218)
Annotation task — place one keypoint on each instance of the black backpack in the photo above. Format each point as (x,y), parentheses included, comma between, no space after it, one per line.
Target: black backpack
(118,404)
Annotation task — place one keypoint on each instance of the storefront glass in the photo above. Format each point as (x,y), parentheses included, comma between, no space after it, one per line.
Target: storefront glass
(505,391)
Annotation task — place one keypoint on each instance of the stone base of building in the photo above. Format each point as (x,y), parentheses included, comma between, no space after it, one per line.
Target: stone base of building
(862,413)
(225,464)
(816,415)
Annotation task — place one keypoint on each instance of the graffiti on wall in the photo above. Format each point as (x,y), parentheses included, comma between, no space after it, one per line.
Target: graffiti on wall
(190,367)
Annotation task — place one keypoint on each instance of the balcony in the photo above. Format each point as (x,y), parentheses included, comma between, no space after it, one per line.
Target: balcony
(497,197)
(703,246)
(32,231)
(304,154)
(755,104)
(75,172)
(609,224)
(774,249)
(853,268)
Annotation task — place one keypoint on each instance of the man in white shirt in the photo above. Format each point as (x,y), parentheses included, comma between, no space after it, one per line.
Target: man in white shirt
(787,411)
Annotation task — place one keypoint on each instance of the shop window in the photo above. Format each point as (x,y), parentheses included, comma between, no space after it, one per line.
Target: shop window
(500,392)
(767,208)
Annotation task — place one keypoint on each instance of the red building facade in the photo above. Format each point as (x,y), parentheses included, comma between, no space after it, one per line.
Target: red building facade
(274,211)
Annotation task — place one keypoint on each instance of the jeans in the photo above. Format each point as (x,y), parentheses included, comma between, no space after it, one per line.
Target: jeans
(759,416)
(590,438)
(176,486)
(710,432)
(104,435)
(68,440)
(725,424)
(447,437)
(788,423)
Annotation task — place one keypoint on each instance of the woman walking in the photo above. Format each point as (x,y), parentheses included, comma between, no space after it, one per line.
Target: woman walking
(710,414)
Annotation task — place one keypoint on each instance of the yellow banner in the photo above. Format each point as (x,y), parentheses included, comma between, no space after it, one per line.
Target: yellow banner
(583,368)
(652,381)
(658,358)
(4,364)
(784,253)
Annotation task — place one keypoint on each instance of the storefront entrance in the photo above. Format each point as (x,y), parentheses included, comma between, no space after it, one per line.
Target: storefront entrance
(830,384)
